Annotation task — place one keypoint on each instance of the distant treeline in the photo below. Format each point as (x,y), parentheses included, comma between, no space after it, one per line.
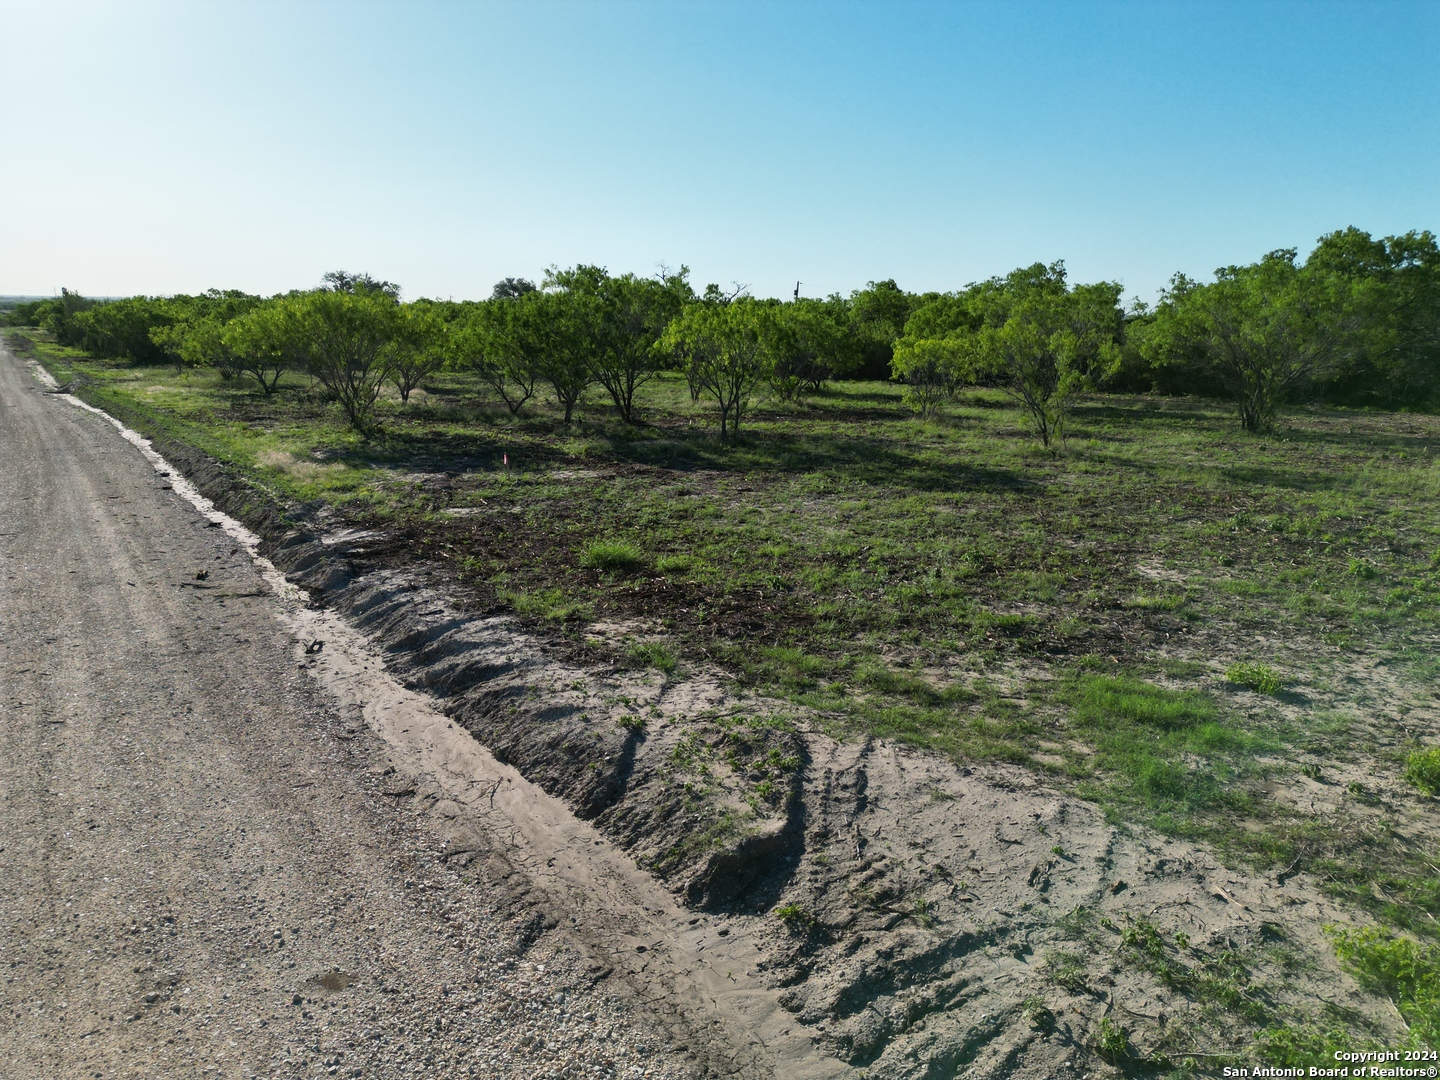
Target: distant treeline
(1357,322)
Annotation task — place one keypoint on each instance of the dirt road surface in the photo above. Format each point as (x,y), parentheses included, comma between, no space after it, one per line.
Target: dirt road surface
(202,870)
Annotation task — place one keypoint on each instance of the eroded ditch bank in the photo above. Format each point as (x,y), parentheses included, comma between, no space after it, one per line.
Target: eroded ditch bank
(916,917)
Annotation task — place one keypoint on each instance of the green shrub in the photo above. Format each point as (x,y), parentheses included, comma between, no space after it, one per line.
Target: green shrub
(612,557)
(651,654)
(1113,1040)
(1261,678)
(1400,968)
(1297,1047)
(1423,770)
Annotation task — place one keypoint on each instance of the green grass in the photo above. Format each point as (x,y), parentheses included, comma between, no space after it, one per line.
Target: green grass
(1255,676)
(612,557)
(794,916)
(1167,757)
(652,654)
(1402,969)
(551,605)
(1423,770)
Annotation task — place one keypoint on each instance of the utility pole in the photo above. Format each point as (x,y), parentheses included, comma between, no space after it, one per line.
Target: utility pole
(797,289)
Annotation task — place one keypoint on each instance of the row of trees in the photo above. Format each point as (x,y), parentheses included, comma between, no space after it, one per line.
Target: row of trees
(1358,321)
(581,328)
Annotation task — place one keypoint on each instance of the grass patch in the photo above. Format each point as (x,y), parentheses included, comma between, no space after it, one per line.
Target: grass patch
(1261,678)
(551,605)
(652,654)
(1221,979)
(795,916)
(675,564)
(1166,754)
(612,557)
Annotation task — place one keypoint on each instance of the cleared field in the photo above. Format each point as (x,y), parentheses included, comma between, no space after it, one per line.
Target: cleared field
(1225,637)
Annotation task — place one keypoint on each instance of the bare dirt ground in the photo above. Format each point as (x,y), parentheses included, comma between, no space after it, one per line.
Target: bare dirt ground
(225,855)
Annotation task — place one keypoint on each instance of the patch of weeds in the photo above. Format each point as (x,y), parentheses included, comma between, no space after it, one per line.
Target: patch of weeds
(1422,769)
(652,654)
(1361,794)
(710,832)
(1112,1040)
(612,557)
(795,916)
(779,760)
(1222,979)
(1180,669)
(1036,1013)
(552,605)
(675,564)
(1261,678)
(1165,752)
(1068,969)
(1100,698)
(691,753)
(632,723)
(1076,923)
(1298,1047)
(1402,969)
(792,669)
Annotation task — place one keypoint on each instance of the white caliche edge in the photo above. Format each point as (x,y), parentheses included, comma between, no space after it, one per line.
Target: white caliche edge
(277,581)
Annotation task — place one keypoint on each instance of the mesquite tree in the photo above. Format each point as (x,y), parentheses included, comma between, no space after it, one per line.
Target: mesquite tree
(622,319)
(346,339)
(1267,330)
(1028,333)
(419,347)
(722,349)
(489,340)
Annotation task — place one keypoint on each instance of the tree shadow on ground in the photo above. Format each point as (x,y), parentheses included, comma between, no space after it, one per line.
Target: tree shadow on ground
(869,461)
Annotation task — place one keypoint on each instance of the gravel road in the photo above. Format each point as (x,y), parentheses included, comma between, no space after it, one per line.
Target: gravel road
(200,871)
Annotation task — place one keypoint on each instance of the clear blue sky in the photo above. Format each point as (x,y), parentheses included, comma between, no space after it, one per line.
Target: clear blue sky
(149,147)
